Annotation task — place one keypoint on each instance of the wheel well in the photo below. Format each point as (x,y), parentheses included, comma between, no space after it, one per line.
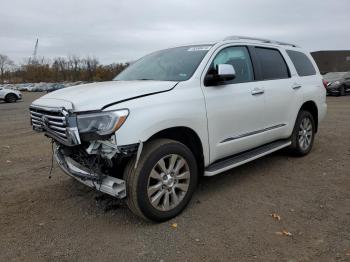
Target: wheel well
(9,94)
(187,137)
(311,107)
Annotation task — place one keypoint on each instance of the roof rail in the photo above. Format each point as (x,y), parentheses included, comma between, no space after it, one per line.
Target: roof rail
(237,37)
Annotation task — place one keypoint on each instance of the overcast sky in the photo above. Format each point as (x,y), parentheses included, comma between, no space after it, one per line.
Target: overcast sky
(123,30)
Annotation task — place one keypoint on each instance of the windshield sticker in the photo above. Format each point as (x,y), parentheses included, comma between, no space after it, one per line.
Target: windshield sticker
(199,48)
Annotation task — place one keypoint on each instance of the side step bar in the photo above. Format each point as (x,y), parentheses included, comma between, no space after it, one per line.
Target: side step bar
(245,157)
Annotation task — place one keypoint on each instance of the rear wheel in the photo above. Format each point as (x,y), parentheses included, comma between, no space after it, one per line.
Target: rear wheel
(303,134)
(163,183)
(11,98)
(342,91)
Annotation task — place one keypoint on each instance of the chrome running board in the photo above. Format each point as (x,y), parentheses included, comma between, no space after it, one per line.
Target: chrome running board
(245,157)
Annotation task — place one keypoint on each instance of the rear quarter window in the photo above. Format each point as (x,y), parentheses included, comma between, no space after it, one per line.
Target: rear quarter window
(301,63)
(272,63)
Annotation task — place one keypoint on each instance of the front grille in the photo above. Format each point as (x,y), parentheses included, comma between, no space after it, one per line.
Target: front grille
(52,121)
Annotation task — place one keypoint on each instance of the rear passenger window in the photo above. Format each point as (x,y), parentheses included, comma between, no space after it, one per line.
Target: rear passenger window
(302,63)
(272,64)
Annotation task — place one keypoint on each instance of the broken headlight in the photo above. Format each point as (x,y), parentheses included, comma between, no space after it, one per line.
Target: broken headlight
(102,123)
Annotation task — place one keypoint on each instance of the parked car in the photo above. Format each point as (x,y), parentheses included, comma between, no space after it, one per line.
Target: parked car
(180,113)
(338,83)
(10,95)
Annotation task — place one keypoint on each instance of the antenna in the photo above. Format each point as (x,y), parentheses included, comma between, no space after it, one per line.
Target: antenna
(35,49)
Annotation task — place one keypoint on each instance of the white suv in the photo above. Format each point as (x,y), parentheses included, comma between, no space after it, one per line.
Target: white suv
(10,95)
(180,113)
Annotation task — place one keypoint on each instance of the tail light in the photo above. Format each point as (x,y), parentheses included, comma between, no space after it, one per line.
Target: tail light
(325,83)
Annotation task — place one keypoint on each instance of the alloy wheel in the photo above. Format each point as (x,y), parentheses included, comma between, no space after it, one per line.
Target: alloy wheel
(305,133)
(168,182)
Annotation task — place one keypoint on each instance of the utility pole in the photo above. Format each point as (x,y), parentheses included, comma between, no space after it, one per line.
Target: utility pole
(35,49)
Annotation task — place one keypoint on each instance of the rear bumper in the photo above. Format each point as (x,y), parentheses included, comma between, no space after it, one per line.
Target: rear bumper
(333,91)
(109,185)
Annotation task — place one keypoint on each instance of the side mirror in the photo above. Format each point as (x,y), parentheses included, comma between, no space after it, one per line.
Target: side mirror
(226,72)
(222,73)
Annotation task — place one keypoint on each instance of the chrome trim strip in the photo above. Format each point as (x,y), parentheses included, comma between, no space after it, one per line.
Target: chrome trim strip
(57,123)
(36,125)
(251,133)
(46,108)
(35,117)
(56,128)
(39,115)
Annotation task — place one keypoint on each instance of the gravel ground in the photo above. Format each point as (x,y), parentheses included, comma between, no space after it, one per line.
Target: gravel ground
(229,218)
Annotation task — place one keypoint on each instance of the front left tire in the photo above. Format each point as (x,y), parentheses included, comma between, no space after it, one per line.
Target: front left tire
(164,181)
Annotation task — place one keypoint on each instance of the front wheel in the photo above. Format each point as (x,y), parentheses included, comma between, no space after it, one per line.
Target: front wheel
(303,133)
(163,183)
(11,98)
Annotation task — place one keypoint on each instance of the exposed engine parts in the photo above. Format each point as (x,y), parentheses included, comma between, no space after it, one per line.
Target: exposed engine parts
(106,148)
(98,158)
(108,184)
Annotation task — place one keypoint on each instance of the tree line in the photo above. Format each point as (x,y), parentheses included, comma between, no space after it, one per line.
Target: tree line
(59,69)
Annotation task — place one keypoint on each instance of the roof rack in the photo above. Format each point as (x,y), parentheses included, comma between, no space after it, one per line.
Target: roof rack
(237,37)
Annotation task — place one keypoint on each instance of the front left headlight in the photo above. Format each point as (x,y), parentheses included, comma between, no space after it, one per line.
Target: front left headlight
(102,123)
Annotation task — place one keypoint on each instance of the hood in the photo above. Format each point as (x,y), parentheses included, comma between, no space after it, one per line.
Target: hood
(97,96)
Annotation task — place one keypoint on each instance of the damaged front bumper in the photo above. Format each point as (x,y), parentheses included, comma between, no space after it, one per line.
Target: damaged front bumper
(93,159)
(106,184)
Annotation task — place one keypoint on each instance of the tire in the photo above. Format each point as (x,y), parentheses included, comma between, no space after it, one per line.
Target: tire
(142,187)
(342,91)
(303,134)
(11,98)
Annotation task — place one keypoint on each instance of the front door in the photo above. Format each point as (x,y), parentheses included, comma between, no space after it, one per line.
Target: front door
(235,109)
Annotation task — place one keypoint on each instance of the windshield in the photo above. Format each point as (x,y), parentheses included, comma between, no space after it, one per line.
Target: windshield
(333,76)
(174,64)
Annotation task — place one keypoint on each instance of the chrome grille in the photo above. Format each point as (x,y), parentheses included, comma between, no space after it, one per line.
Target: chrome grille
(49,120)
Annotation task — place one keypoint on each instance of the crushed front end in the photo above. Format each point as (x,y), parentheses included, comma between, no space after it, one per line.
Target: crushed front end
(85,146)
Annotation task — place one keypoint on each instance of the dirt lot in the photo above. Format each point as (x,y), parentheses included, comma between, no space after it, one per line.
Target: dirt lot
(229,218)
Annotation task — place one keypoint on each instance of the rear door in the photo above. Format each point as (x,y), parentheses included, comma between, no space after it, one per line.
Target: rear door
(282,91)
(306,74)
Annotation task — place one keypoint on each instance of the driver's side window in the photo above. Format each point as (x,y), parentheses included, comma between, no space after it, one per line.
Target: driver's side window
(238,57)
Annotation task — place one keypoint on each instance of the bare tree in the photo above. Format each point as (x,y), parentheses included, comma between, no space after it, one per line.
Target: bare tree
(75,65)
(91,64)
(62,65)
(70,68)
(5,64)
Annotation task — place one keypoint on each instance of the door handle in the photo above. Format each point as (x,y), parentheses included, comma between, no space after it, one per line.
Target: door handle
(296,86)
(257,91)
